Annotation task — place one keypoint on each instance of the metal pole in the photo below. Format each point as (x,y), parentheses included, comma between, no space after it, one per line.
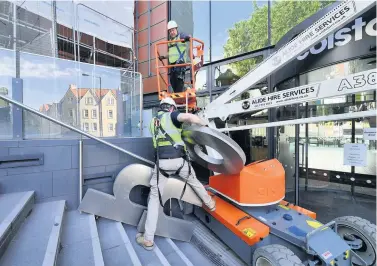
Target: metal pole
(297,161)
(54,31)
(81,181)
(100,107)
(307,150)
(15,39)
(269,21)
(297,153)
(141,104)
(210,39)
(78,33)
(74,24)
(75,129)
(353,141)
(149,39)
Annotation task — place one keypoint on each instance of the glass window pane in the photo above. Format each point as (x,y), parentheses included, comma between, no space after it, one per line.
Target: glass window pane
(103,41)
(201,79)
(82,95)
(285,15)
(326,181)
(35,28)
(285,150)
(49,87)
(237,27)
(203,101)
(226,75)
(7,72)
(6,24)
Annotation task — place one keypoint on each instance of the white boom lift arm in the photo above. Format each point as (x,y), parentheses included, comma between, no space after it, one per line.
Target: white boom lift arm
(355,83)
(332,21)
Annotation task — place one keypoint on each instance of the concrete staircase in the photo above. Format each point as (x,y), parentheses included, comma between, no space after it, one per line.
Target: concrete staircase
(46,234)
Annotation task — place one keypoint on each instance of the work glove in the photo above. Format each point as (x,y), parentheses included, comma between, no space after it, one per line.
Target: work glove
(162,57)
(187,39)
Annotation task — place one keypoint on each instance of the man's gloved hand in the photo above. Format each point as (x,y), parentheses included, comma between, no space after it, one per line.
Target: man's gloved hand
(186,39)
(162,57)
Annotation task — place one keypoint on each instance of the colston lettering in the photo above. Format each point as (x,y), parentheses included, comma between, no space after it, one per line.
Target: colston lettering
(343,36)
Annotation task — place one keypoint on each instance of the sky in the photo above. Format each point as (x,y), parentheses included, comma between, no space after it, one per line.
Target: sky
(224,14)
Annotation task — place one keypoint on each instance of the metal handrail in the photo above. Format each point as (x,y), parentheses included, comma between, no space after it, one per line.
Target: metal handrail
(75,129)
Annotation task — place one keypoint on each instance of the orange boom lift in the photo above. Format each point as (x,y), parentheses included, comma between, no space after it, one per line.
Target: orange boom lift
(187,98)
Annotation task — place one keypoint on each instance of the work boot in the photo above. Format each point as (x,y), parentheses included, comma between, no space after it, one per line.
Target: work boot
(212,205)
(148,245)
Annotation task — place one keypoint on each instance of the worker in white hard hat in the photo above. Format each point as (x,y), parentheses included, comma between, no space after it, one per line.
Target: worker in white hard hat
(171,159)
(176,55)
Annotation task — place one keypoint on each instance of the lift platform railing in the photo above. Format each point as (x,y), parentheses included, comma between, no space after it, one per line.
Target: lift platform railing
(195,60)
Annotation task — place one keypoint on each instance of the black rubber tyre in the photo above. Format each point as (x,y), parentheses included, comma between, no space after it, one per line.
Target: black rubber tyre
(275,255)
(361,229)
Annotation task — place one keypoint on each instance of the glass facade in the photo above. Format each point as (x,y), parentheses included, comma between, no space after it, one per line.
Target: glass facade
(75,64)
(230,28)
(316,150)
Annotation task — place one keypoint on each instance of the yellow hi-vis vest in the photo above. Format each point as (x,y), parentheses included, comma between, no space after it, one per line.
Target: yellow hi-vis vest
(170,129)
(177,50)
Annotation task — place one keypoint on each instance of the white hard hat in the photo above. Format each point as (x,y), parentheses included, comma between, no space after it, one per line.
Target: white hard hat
(169,101)
(172,24)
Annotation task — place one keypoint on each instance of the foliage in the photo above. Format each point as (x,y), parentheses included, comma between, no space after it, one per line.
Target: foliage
(251,34)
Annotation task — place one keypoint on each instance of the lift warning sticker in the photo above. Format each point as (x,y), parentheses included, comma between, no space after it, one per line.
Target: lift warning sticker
(327,255)
(303,93)
(249,232)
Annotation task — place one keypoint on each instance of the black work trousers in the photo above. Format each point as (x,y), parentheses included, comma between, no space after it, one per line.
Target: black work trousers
(177,79)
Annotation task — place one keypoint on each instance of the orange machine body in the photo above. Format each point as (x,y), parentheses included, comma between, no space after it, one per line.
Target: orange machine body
(240,223)
(258,184)
(196,55)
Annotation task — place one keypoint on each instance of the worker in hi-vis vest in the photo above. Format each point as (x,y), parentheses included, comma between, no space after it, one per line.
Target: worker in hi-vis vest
(176,55)
(170,159)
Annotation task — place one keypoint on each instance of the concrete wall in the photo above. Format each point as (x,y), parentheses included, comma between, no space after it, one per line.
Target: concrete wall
(58,176)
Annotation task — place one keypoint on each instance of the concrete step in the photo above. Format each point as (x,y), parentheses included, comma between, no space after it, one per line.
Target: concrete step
(80,242)
(193,252)
(38,238)
(116,246)
(14,207)
(155,257)
(173,254)
(119,247)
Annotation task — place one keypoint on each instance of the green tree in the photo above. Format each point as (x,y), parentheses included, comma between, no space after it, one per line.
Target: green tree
(251,34)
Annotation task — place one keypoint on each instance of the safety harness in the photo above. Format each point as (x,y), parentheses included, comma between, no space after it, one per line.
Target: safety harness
(181,54)
(157,129)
